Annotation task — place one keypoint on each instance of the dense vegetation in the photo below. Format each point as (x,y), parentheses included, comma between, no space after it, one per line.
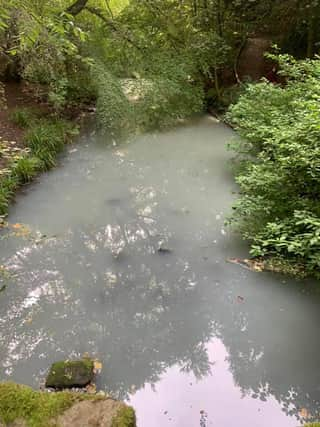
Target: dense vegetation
(279,209)
(149,63)
(172,53)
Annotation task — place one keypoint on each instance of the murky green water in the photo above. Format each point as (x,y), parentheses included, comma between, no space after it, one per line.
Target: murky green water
(187,338)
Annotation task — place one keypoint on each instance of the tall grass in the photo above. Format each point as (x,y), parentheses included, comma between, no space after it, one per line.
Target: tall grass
(45,140)
(23,117)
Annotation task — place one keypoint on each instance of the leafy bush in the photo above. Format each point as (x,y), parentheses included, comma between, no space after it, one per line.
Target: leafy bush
(279,177)
(113,108)
(163,93)
(169,93)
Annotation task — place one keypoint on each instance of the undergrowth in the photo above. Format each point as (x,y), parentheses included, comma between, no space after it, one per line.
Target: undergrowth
(278,210)
(23,117)
(45,139)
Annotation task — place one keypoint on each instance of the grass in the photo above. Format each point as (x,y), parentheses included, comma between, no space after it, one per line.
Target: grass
(36,408)
(26,168)
(8,186)
(40,409)
(45,139)
(23,117)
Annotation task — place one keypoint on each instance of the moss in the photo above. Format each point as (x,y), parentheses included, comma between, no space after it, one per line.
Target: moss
(41,409)
(312,425)
(70,374)
(35,408)
(125,418)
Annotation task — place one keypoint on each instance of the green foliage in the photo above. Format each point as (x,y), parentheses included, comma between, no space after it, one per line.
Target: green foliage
(113,108)
(279,208)
(26,168)
(8,186)
(168,93)
(22,117)
(46,139)
(163,93)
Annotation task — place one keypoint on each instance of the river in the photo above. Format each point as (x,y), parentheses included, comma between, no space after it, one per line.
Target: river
(185,337)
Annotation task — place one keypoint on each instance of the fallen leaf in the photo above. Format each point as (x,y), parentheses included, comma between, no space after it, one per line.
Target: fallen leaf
(17,226)
(304,413)
(97,366)
(91,389)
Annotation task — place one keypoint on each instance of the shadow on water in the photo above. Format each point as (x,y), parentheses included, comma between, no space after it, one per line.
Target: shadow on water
(105,289)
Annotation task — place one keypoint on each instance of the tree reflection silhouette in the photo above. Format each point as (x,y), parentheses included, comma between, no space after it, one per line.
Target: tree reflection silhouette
(141,313)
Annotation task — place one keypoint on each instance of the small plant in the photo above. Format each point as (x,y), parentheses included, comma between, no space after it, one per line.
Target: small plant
(8,185)
(23,117)
(26,168)
(46,139)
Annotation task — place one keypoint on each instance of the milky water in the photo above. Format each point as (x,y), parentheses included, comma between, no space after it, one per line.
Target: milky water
(185,337)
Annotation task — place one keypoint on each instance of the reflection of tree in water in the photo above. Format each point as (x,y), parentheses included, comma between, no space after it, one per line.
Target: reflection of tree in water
(85,296)
(141,312)
(274,347)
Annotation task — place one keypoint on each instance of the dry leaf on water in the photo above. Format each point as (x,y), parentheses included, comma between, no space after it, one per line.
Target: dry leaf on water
(97,366)
(91,389)
(304,413)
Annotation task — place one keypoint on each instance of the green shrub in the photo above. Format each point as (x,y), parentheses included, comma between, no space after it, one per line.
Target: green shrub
(22,117)
(279,177)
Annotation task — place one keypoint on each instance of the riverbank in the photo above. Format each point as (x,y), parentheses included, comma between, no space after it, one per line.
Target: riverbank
(32,135)
(20,406)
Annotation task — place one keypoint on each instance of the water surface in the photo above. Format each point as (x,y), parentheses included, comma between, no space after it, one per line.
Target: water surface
(185,337)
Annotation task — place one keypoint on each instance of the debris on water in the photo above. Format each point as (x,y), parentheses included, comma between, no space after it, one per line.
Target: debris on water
(240,298)
(249,264)
(304,413)
(91,389)
(164,250)
(97,367)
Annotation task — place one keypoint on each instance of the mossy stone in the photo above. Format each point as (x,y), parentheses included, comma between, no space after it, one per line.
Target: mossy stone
(68,374)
